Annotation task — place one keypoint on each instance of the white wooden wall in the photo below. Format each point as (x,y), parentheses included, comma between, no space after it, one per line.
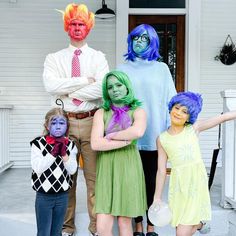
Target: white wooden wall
(217,21)
(29,30)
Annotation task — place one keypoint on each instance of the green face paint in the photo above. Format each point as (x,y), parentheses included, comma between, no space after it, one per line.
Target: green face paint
(116,90)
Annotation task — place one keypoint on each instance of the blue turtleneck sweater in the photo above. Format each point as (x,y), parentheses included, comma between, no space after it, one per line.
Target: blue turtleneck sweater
(153,86)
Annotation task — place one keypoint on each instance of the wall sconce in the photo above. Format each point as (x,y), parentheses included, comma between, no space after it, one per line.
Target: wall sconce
(104,12)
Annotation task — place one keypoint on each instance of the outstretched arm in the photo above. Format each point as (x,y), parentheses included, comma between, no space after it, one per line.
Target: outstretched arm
(98,141)
(136,130)
(202,125)
(161,172)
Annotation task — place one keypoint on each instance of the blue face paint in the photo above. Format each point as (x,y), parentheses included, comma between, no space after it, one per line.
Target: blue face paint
(58,126)
(140,43)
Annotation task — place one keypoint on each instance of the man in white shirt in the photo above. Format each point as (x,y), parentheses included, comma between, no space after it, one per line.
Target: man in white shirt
(79,87)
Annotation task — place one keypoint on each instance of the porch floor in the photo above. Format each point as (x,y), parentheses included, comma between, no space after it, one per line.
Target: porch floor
(17,216)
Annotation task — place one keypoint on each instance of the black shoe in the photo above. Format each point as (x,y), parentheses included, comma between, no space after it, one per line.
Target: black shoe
(138,234)
(151,234)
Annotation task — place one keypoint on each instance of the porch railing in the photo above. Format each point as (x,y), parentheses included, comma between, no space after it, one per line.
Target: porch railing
(228,196)
(4,137)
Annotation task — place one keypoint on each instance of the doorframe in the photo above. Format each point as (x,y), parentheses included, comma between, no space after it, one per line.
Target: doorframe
(192,11)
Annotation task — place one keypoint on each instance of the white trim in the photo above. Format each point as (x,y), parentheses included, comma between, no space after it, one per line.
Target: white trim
(229,93)
(192,32)
(6,166)
(122,24)
(6,106)
(192,69)
(157,11)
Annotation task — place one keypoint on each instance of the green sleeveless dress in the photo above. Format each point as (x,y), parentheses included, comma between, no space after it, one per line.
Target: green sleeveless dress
(189,198)
(120,186)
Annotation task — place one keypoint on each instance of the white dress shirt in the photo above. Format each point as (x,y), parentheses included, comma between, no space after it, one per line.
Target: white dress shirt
(59,83)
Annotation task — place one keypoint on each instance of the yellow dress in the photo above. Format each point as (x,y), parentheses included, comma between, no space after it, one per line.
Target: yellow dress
(189,198)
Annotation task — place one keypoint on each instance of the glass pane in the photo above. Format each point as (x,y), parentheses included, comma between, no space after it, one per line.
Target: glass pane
(157,3)
(167,50)
(172,55)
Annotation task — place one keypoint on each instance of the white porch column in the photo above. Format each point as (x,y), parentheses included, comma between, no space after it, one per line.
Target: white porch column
(4,137)
(228,198)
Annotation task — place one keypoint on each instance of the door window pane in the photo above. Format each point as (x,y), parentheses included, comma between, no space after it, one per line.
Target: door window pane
(167,50)
(157,3)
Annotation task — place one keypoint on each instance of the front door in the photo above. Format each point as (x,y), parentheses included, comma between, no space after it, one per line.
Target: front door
(171,32)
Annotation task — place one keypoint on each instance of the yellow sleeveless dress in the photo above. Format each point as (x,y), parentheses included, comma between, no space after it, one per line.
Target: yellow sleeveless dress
(189,198)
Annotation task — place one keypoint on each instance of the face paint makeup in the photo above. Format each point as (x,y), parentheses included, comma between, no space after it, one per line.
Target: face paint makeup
(116,90)
(140,43)
(77,30)
(58,126)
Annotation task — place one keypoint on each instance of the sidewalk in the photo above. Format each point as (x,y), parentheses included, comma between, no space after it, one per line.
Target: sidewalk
(17,217)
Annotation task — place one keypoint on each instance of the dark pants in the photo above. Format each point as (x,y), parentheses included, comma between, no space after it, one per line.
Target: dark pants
(50,212)
(149,161)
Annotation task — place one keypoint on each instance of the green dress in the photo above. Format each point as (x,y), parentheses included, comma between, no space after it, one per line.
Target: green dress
(189,198)
(120,186)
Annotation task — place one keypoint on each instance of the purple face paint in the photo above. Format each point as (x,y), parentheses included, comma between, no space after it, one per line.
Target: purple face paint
(58,126)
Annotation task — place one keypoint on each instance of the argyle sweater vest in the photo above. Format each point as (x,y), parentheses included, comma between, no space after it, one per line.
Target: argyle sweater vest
(55,179)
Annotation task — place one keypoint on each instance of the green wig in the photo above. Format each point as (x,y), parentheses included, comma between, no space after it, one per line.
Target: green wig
(128,100)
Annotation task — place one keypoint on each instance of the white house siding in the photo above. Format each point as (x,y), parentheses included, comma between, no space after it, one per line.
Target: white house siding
(217,21)
(29,30)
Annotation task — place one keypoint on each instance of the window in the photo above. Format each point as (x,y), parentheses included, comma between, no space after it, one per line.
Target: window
(157,3)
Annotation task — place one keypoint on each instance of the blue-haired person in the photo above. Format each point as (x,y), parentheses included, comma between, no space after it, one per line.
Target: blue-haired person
(189,198)
(153,86)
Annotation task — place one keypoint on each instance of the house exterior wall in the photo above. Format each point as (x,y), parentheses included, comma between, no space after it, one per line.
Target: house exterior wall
(217,21)
(29,30)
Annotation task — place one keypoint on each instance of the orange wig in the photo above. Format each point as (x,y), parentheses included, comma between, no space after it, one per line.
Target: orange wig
(77,12)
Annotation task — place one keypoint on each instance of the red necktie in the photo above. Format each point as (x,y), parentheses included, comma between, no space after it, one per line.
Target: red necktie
(75,71)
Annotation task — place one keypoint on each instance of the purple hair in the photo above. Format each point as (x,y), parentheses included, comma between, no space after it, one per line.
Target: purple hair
(193,101)
(152,51)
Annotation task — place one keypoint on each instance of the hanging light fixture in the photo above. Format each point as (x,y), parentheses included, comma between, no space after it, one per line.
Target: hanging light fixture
(104,12)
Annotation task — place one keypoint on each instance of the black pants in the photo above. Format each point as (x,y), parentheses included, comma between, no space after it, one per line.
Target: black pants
(149,161)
